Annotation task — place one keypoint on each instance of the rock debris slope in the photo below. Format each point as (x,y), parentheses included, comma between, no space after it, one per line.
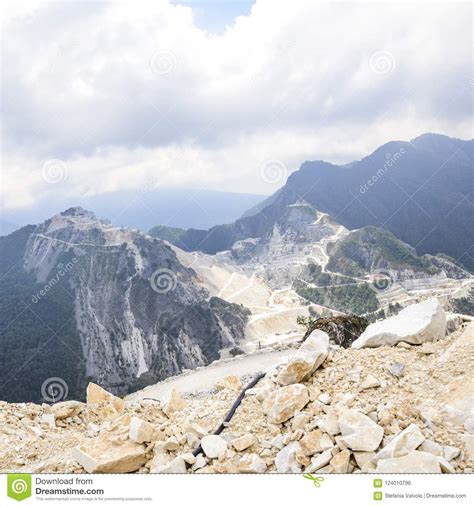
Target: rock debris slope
(350,411)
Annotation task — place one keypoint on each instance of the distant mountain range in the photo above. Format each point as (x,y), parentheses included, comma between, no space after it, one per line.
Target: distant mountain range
(421,191)
(143,208)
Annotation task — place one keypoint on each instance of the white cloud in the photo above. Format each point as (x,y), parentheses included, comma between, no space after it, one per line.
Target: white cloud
(121,91)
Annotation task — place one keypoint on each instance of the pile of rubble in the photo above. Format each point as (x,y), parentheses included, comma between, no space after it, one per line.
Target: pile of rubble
(400,400)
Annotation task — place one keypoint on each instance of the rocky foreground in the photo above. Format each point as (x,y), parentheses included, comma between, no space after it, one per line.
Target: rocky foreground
(400,400)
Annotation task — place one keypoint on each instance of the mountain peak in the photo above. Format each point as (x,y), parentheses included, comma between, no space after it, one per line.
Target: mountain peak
(80,212)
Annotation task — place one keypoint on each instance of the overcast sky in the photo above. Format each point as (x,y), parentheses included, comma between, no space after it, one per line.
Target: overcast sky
(100,96)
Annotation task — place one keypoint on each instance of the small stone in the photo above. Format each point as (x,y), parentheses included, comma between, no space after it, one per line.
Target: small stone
(141,431)
(397,369)
(176,466)
(201,461)
(330,423)
(67,409)
(278,442)
(214,446)
(282,404)
(324,398)
(311,443)
(299,421)
(451,452)
(326,442)
(173,403)
(319,461)
(446,467)
(243,442)
(229,382)
(469,425)
(413,462)
(359,432)
(370,382)
(198,429)
(404,345)
(340,461)
(48,419)
(252,463)
(171,444)
(362,458)
(285,461)
(431,447)
(189,458)
(427,349)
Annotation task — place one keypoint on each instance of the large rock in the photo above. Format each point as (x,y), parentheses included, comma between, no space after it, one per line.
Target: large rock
(106,404)
(404,442)
(214,446)
(359,432)
(112,451)
(282,404)
(307,359)
(414,462)
(173,403)
(416,324)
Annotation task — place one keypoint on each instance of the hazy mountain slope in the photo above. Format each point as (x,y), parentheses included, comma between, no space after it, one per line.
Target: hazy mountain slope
(370,249)
(118,305)
(421,191)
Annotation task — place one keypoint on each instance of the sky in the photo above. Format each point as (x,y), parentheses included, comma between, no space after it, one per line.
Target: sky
(223,95)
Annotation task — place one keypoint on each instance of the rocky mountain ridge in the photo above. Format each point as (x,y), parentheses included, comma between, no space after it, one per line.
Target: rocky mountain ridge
(421,191)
